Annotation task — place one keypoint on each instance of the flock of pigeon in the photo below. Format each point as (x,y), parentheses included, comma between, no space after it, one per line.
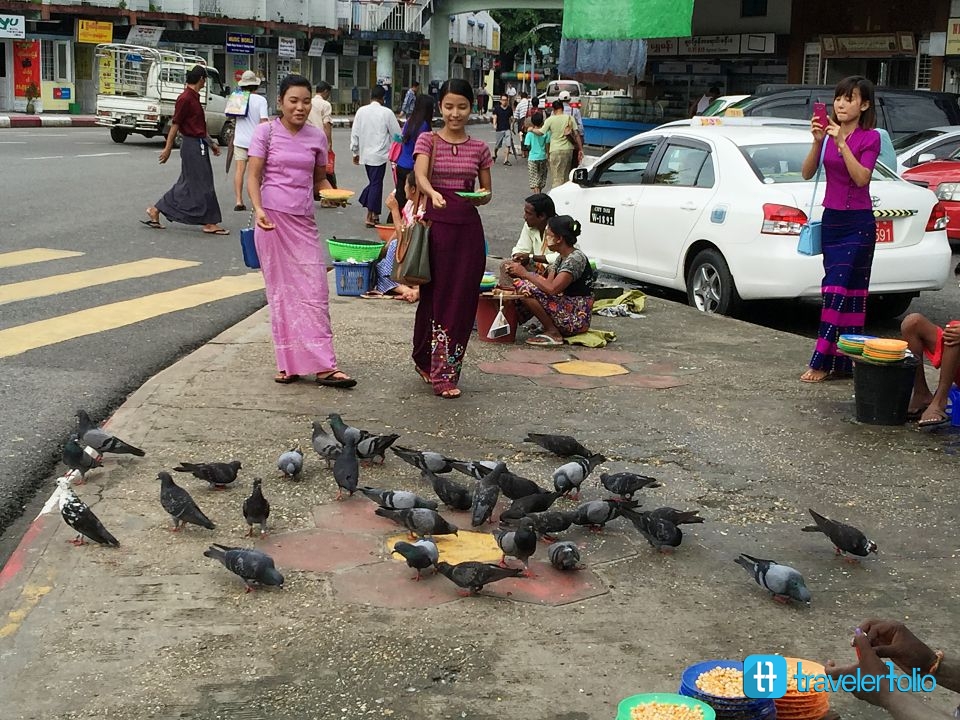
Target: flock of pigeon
(530,517)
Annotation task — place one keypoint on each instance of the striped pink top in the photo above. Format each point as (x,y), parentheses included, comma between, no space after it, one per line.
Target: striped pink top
(455,171)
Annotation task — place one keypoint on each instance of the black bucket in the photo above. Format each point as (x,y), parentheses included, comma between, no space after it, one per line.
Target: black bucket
(883,391)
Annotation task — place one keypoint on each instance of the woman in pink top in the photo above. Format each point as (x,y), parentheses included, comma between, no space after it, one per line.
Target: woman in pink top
(448,303)
(288,161)
(849,230)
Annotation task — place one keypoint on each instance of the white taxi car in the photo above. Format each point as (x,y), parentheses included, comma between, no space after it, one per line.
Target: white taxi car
(716,211)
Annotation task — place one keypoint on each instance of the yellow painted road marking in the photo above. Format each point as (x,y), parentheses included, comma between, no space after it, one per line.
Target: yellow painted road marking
(465,545)
(34,255)
(31,596)
(20,339)
(57,284)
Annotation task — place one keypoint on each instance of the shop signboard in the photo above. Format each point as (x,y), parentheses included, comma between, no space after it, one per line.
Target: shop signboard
(286,47)
(657,47)
(757,43)
(351,48)
(148,35)
(710,45)
(316,47)
(880,45)
(12,26)
(424,56)
(26,70)
(240,43)
(94,32)
(953,36)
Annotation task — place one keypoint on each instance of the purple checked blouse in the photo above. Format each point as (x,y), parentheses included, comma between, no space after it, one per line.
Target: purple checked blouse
(842,193)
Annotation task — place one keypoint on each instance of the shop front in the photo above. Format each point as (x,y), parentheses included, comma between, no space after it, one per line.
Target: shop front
(888,59)
(12,28)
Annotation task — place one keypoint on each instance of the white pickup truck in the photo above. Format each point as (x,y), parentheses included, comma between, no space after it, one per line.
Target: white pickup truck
(139,87)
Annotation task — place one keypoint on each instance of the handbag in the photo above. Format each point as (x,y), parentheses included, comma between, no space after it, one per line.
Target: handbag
(247,245)
(238,103)
(396,148)
(810,242)
(411,265)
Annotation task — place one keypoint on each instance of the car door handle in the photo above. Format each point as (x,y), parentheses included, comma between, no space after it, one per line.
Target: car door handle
(689,206)
(628,203)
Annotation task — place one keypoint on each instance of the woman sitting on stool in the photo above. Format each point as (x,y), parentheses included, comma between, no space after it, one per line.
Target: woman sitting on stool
(563,299)
(387,287)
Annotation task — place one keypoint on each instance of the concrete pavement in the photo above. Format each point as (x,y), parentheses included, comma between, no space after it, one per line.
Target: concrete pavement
(708,405)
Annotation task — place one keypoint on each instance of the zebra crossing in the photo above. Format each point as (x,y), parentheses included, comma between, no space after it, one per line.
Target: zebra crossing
(108,316)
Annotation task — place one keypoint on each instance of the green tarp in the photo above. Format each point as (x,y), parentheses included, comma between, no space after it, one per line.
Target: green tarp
(626,19)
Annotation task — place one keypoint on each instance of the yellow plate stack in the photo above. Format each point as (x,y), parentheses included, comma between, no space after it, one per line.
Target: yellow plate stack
(884,350)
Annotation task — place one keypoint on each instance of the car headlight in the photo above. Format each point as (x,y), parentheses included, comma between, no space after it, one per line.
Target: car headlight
(948,191)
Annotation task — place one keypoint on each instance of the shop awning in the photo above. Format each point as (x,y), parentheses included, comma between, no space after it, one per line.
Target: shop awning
(626,19)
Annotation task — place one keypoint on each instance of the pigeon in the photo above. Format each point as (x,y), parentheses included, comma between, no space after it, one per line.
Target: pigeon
(346,469)
(256,509)
(375,446)
(326,445)
(530,504)
(520,543)
(485,496)
(419,521)
(452,494)
(76,458)
(570,476)
(659,531)
(512,486)
(845,538)
(100,440)
(473,575)
(419,555)
(341,431)
(80,517)
(219,475)
(179,505)
(397,499)
(625,484)
(597,513)
(781,580)
(423,460)
(476,469)
(252,566)
(564,555)
(562,445)
(677,517)
(550,522)
(291,463)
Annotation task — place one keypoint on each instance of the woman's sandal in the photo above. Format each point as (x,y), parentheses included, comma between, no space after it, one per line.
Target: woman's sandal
(451,394)
(284,379)
(425,376)
(330,379)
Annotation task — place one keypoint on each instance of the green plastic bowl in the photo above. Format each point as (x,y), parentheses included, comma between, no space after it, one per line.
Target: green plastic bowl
(627,704)
(359,250)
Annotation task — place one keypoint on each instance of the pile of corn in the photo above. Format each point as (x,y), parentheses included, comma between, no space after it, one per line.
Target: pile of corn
(722,682)
(665,711)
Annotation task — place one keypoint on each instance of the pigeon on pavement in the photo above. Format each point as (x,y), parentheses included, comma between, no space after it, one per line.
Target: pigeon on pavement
(218,474)
(551,522)
(625,484)
(781,580)
(252,566)
(375,446)
(845,538)
(485,496)
(474,575)
(512,486)
(423,460)
(677,517)
(342,431)
(179,505)
(290,463)
(419,521)
(476,469)
(80,517)
(597,513)
(660,532)
(564,555)
(346,469)
(100,440)
(562,445)
(520,543)
(256,509)
(530,504)
(570,476)
(452,494)
(397,499)
(75,458)
(326,445)
(419,555)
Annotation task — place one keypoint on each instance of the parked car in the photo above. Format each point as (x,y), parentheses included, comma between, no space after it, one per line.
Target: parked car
(555,87)
(931,144)
(943,178)
(718,106)
(716,211)
(899,112)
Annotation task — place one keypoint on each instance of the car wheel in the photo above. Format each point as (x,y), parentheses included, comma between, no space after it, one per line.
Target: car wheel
(710,286)
(226,134)
(118,135)
(888,306)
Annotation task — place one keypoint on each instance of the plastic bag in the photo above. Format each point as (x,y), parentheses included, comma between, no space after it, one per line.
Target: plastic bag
(499,327)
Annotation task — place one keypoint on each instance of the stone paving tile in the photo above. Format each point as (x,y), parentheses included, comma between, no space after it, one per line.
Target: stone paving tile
(571,382)
(519,369)
(354,515)
(657,382)
(548,587)
(389,585)
(321,550)
(539,357)
(604,355)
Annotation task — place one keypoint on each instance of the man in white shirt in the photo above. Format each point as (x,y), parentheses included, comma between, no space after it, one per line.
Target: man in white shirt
(257,113)
(374,128)
(321,116)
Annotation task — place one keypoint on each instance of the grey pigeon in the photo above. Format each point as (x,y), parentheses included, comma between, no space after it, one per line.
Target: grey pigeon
(570,476)
(252,566)
(419,521)
(452,494)
(659,531)
(678,517)
(423,460)
(100,440)
(218,474)
(179,505)
(625,484)
(597,513)
(474,575)
(512,486)
(80,517)
(375,446)
(256,509)
(75,458)
(346,469)
(327,446)
(476,469)
(342,431)
(562,445)
(781,580)
(485,496)
(550,522)
(539,502)
(520,543)
(290,463)
(845,538)
(419,555)
(397,499)
(564,555)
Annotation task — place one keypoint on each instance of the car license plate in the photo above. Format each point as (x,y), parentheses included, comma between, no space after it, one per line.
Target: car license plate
(884,231)
(131,120)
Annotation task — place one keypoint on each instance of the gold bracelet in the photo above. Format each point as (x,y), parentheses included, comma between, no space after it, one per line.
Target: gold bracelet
(936,663)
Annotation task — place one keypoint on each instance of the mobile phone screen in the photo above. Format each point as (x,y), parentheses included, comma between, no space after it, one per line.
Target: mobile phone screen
(820,113)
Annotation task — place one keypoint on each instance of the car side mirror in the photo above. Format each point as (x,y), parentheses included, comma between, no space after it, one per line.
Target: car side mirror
(926,157)
(226,91)
(580,176)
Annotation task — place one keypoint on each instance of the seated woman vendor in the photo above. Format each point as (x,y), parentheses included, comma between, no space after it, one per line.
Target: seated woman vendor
(562,299)
(386,286)
(531,249)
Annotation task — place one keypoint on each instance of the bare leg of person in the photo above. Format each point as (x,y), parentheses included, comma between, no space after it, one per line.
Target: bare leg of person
(540,314)
(920,334)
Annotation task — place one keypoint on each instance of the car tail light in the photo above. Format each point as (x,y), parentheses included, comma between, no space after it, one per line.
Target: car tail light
(938,218)
(782,219)
(948,191)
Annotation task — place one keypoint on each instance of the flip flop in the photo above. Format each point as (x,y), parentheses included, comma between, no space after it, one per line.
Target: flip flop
(423,375)
(941,419)
(543,341)
(155,224)
(375,295)
(284,379)
(218,231)
(341,382)
(916,414)
(240,208)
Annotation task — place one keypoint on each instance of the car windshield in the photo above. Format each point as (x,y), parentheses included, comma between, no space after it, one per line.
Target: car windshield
(781,163)
(558,87)
(908,141)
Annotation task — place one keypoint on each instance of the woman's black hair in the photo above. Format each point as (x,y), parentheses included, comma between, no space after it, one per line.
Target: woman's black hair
(422,113)
(291,81)
(845,88)
(564,226)
(542,205)
(456,86)
(537,118)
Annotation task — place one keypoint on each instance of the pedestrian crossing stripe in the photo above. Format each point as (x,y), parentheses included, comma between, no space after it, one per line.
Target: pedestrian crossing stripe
(34,255)
(893,213)
(20,339)
(56,284)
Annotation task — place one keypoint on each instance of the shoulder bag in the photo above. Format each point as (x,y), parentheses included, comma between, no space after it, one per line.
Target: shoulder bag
(810,241)
(412,263)
(247,246)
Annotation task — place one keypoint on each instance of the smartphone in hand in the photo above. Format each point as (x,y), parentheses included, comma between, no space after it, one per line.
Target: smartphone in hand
(820,114)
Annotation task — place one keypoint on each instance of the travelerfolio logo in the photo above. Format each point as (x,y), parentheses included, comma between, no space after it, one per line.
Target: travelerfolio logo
(765,676)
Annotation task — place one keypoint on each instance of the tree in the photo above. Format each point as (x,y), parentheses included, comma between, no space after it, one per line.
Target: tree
(516,38)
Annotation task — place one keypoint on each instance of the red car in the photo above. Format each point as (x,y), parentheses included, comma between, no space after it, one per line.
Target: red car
(943,177)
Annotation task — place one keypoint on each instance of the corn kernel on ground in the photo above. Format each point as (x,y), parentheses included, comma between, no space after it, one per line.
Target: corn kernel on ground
(722,682)
(665,711)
